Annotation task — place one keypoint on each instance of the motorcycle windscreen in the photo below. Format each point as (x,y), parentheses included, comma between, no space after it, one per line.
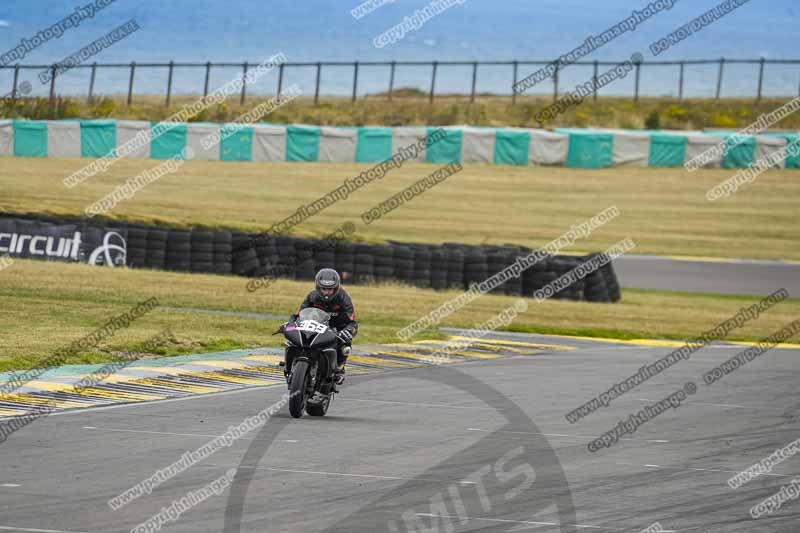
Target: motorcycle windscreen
(313,313)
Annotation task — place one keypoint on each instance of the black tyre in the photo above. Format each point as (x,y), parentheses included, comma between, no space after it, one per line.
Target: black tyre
(324,259)
(364,269)
(222,238)
(422,268)
(610,277)
(595,289)
(304,259)
(297,389)
(319,409)
(222,268)
(383,262)
(403,263)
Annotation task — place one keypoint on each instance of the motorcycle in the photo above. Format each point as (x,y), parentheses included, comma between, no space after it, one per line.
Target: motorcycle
(310,362)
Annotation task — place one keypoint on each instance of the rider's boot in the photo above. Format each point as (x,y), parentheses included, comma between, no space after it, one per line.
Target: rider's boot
(341,359)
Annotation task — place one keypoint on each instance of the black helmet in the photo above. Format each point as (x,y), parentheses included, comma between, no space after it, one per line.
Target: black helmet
(327,280)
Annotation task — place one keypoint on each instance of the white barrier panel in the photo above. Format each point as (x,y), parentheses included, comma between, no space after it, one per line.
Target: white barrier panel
(63,139)
(195,133)
(477,145)
(407,135)
(269,143)
(630,149)
(548,148)
(6,138)
(769,145)
(337,145)
(697,144)
(127,130)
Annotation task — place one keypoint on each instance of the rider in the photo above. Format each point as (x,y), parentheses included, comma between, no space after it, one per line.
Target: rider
(329,296)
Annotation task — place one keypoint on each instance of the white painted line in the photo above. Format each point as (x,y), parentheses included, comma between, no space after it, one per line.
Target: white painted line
(151,432)
(9,528)
(686,468)
(10,485)
(562,435)
(342,474)
(446,406)
(585,526)
(702,403)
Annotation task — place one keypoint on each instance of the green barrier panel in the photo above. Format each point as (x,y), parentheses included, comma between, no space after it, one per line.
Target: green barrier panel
(792,161)
(170,143)
(237,143)
(742,155)
(98,137)
(302,143)
(374,145)
(30,138)
(590,150)
(511,147)
(667,150)
(443,150)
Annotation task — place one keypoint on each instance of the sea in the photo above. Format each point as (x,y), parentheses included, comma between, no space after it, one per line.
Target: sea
(235,31)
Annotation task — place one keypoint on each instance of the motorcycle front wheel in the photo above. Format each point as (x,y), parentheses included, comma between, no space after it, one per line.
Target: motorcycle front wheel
(297,389)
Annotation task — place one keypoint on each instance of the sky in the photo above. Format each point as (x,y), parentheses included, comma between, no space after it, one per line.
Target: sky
(320,30)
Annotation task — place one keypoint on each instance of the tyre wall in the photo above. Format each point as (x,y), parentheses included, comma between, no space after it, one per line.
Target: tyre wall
(201,250)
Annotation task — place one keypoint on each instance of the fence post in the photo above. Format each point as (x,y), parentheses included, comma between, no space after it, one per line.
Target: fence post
(719,76)
(760,78)
(316,84)
(280,78)
(355,81)
(594,80)
(433,81)
(514,84)
(14,86)
(53,85)
(169,82)
(474,80)
(555,82)
(244,83)
(638,76)
(91,83)
(208,76)
(680,82)
(130,83)
(391,79)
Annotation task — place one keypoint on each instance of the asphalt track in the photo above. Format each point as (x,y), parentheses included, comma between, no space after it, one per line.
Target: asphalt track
(482,445)
(727,276)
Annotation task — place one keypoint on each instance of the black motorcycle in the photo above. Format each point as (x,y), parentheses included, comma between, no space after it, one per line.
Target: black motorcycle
(310,362)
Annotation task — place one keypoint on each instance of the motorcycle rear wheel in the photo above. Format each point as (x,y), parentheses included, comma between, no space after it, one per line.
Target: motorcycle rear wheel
(319,409)
(297,389)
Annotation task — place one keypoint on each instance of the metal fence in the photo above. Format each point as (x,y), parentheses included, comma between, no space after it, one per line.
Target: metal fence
(759,65)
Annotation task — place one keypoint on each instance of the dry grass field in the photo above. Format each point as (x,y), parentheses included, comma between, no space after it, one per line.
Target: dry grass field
(663,210)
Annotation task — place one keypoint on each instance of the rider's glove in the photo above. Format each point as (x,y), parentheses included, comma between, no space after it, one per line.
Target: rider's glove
(345,336)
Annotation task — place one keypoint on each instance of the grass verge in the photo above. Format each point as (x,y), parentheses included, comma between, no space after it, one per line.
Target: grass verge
(47,305)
